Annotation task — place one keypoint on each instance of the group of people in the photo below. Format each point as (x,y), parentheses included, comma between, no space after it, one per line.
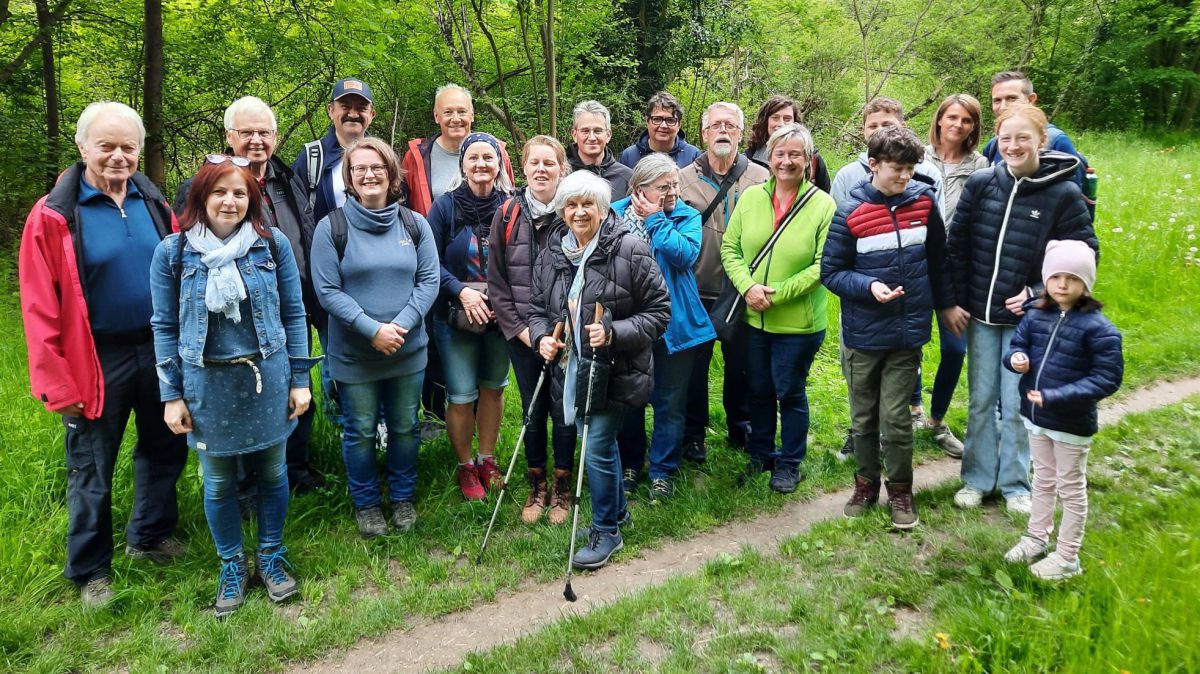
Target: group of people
(602,283)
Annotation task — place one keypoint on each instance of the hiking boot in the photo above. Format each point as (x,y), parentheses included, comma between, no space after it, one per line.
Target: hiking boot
(231,587)
(489,473)
(600,548)
(629,478)
(624,521)
(695,451)
(847,451)
(661,489)
(560,508)
(738,432)
(539,497)
(752,470)
(918,418)
(271,571)
(866,495)
(1020,504)
(96,593)
(1026,550)
(900,501)
(944,437)
(785,478)
(968,497)
(370,522)
(1054,567)
(468,482)
(404,516)
(165,551)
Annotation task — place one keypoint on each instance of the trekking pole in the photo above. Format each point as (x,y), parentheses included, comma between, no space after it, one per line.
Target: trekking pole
(568,592)
(558,327)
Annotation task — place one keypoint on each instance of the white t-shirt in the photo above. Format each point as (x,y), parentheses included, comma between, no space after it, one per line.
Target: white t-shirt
(339,187)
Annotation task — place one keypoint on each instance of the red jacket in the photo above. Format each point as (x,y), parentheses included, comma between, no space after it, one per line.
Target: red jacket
(416,172)
(63,366)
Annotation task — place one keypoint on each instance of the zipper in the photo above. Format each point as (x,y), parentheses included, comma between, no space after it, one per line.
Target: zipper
(987,305)
(900,259)
(1037,380)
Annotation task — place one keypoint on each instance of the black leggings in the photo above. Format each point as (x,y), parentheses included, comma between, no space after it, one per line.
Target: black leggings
(527,365)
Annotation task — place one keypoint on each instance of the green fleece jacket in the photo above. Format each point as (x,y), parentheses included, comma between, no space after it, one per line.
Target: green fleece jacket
(793,266)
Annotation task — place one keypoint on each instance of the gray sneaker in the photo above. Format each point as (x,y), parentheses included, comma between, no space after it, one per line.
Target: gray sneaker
(661,489)
(370,522)
(231,588)
(97,593)
(944,437)
(404,516)
(271,571)
(164,552)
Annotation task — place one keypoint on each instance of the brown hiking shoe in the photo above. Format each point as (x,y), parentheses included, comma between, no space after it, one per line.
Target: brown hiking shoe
(560,507)
(900,500)
(539,497)
(866,495)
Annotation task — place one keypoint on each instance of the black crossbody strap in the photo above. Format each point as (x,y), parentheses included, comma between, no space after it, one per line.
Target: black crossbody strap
(791,215)
(735,173)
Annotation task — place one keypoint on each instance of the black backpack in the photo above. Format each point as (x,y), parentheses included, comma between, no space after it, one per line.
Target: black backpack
(339,229)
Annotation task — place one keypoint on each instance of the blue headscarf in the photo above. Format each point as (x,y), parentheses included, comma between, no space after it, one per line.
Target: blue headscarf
(478,137)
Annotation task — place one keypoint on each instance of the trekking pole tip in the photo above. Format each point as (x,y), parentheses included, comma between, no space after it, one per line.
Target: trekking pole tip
(568,593)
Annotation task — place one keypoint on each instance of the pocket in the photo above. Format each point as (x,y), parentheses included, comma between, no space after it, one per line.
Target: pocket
(80,445)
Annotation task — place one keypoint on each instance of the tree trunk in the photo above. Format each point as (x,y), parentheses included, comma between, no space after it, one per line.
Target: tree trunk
(50,88)
(152,114)
(551,70)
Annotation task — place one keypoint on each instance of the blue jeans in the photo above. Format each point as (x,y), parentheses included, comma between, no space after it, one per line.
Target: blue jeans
(329,391)
(672,373)
(398,400)
(603,465)
(221,504)
(471,362)
(778,367)
(953,350)
(996,452)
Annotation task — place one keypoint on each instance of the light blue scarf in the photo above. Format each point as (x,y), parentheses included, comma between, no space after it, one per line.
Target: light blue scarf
(225,289)
(578,256)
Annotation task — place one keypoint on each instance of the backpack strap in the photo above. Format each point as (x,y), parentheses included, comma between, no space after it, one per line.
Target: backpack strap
(339,229)
(508,217)
(410,225)
(316,165)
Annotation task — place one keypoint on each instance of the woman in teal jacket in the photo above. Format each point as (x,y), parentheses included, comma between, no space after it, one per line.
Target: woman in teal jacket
(654,212)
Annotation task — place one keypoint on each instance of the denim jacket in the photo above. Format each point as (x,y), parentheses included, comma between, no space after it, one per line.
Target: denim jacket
(181,327)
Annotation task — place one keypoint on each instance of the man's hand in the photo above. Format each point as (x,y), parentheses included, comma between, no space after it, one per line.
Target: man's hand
(75,410)
(883,294)
(1014,303)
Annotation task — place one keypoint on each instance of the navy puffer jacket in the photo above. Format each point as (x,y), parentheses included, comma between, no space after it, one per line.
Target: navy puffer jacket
(1000,231)
(1074,360)
(899,241)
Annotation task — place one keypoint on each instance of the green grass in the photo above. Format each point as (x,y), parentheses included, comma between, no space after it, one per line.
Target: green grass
(352,589)
(853,596)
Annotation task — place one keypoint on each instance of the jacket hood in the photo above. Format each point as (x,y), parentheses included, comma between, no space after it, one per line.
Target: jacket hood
(643,143)
(606,161)
(1053,167)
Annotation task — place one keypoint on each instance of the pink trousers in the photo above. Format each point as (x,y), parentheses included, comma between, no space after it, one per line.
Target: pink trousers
(1059,470)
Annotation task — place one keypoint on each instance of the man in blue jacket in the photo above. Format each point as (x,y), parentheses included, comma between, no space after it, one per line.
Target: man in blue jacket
(664,115)
(319,166)
(1013,87)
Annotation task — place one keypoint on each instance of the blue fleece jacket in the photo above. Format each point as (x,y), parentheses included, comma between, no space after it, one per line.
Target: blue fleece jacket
(684,153)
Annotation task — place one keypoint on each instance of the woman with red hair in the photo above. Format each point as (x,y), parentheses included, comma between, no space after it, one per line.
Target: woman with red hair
(231,346)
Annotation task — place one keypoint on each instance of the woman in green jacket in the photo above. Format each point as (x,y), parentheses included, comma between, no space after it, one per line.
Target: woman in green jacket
(785,302)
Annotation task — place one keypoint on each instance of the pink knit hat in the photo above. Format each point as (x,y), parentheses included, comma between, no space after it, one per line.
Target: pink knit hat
(1070,257)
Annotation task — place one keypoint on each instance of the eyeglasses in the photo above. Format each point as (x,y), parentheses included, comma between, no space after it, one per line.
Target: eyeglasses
(669,187)
(361,170)
(590,133)
(723,126)
(664,121)
(222,158)
(247,134)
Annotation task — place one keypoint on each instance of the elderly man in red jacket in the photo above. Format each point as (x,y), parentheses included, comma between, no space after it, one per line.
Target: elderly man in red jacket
(85,300)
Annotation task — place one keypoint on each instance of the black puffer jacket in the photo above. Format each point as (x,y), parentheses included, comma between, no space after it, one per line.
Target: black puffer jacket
(1001,228)
(624,277)
(1074,360)
(513,246)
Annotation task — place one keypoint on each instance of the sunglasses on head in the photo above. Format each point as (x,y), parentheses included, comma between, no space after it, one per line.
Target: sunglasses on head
(221,159)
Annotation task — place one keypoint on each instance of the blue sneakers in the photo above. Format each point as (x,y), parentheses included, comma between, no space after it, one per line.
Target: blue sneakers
(600,547)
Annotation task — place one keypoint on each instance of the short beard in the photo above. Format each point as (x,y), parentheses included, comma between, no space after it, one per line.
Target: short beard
(722,150)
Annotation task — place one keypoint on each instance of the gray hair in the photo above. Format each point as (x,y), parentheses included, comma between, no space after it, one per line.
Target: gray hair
(450,86)
(785,133)
(723,105)
(248,105)
(92,112)
(587,185)
(592,108)
(652,167)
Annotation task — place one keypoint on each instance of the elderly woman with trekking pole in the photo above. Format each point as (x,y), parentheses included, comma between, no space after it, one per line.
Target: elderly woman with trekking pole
(604,281)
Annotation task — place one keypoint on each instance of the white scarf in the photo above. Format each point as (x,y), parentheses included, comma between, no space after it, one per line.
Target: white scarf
(225,289)
(536,208)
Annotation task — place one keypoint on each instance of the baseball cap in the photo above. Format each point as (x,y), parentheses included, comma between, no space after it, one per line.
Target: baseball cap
(350,85)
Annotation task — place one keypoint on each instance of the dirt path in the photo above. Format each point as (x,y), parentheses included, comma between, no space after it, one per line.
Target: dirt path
(441,643)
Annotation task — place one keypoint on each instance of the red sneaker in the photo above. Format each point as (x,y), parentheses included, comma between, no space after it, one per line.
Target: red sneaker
(468,481)
(489,473)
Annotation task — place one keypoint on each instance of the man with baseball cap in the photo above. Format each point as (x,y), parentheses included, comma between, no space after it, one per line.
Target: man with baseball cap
(351,109)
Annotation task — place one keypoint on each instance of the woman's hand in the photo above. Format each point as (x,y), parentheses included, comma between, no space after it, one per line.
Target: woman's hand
(548,347)
(523,337)
(644,207)
(956,319)
(883,294)
(597,337)
(758,297)
(179,420)
(298,401)
(1014,303)
(1020,363)
(388,339)
(475,304)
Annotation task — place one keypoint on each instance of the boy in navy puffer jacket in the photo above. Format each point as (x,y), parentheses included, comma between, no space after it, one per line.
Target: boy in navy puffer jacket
(885,258)
(1069,356)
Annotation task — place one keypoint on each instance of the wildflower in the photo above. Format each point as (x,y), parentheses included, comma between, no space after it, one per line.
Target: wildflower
(1117,230)
(1187,176)
(943,640)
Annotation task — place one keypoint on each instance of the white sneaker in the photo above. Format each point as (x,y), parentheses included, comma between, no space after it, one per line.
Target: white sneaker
(1018,503)
(968,497)
(1054,567)
(1026,550)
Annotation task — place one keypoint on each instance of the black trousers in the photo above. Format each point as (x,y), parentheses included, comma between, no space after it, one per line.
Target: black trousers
(433,390)
(735,394)
(130,385)
(527,366)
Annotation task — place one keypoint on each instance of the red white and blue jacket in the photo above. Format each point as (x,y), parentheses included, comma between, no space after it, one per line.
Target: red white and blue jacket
(899,241)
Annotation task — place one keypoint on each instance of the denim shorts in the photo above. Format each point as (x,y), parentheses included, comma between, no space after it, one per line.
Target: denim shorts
(471,362)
